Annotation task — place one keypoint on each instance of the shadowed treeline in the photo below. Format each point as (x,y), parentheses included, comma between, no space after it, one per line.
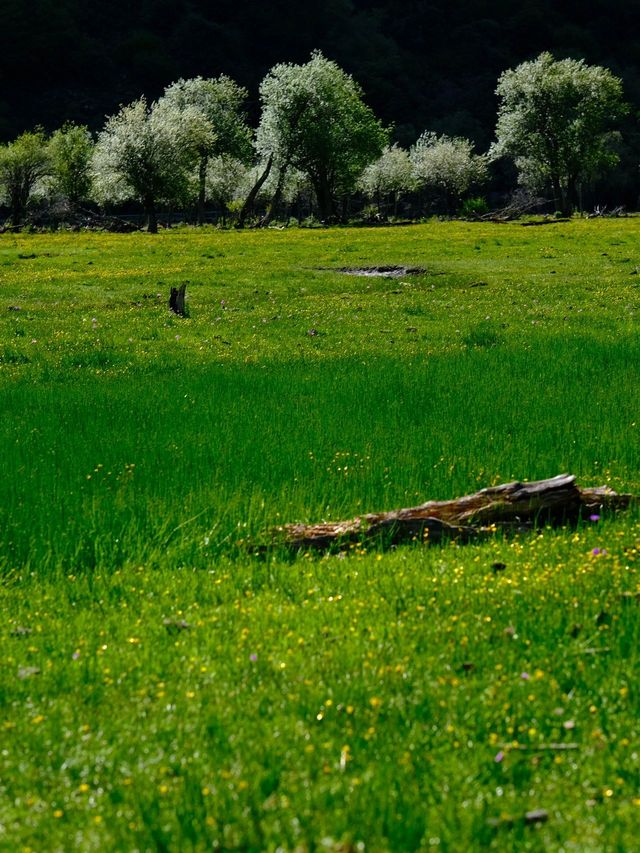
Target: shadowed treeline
(421,65)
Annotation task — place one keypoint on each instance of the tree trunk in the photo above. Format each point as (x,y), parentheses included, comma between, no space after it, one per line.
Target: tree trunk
(511,506)
(152,216)
(275,199)
(562,196)
(324,198)
(251,198)
(16,213)
(557,192)
(17,206)
(202,185)
(450,201)
(571,196)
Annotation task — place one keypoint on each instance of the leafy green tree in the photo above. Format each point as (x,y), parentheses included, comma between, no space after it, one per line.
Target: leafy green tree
(314,120)
(23,163)
(146,153)
(70,150)
(226,179)
(554,120)
(448,166)
(220,103)
(388,177)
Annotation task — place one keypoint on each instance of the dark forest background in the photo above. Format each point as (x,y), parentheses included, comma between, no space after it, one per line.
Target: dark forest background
(423,64)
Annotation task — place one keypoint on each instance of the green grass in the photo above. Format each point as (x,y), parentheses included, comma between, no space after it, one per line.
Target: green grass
(314,703)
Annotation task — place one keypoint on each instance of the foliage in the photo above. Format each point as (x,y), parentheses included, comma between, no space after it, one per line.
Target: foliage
(554,119)
(23,163)
(221,131)
(221,103)
(314,119)
(401,54)
(146,153)
(389,176)
(474,206)
(226,176)
(448,166)
(70,150)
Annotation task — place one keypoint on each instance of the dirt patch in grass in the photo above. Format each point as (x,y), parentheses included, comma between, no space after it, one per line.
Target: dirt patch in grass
(383,272)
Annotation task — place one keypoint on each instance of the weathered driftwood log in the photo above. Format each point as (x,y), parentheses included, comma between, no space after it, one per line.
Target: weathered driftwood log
(177,300)
(510,506)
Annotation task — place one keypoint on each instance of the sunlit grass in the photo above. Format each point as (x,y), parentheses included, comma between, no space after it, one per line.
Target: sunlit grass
(164,690)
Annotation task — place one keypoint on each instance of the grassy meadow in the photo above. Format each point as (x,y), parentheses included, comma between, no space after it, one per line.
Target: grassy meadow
(164,687)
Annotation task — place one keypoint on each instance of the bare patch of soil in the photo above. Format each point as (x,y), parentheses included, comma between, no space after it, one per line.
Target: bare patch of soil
(383,272)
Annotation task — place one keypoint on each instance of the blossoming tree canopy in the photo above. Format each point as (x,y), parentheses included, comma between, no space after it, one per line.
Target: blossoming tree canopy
(314,119)
(554,120)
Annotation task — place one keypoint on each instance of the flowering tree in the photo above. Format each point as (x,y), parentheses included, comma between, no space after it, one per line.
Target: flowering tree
(447,165)
(219,103)
(23,163)
(314,119)
(554,119)
(70,151)
(388,177)
(226,179)
(147,153)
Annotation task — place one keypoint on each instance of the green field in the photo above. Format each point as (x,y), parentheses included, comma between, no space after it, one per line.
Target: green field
(165,688)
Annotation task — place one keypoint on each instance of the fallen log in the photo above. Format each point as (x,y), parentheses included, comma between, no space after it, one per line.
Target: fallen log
(510,506)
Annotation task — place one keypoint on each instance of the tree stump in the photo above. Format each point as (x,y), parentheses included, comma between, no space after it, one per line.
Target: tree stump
(177,300)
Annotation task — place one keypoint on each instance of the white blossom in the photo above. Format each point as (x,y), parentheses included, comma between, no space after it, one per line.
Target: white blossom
(447,164)
(553,120)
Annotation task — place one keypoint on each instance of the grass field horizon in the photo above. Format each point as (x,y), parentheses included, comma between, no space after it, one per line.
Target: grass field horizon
(163,689)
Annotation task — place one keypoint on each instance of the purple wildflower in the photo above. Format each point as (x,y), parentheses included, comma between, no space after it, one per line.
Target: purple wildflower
(594,517)
(499,757)
(253,657)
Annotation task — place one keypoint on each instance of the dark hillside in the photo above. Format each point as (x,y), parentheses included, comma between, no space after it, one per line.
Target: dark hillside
(423,64)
